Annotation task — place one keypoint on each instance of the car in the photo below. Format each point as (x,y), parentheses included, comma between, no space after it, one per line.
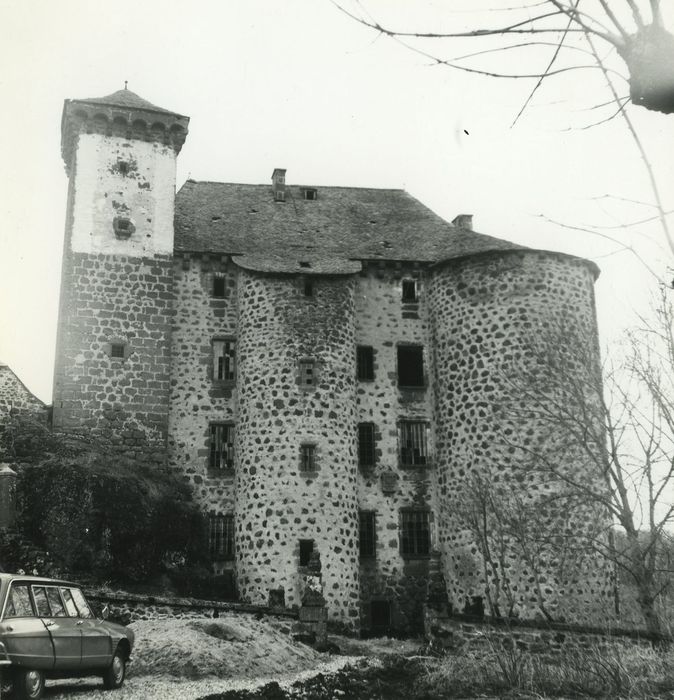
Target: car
(48,630)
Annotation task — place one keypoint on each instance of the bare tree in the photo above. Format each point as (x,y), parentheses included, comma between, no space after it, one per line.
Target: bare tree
(624,427)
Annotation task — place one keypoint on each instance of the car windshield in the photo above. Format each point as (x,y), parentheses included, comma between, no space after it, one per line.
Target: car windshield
(19,604)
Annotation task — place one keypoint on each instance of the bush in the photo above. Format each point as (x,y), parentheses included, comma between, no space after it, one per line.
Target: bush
(114,521)
(199,583)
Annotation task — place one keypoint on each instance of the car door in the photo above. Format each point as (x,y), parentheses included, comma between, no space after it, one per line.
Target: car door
(96,641)
(65,633)
(25,636)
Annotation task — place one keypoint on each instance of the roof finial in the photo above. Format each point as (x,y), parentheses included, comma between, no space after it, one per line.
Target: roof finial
(126,82)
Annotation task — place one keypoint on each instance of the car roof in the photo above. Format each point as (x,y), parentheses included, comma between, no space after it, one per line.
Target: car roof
(5,577)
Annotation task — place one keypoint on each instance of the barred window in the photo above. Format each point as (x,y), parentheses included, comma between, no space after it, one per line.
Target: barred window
(224,360)
(221,446)
(365,363)
(221,537)
(412,436)
(366,445)
(410,365)
(368,534)
(307,372)
(415,536)
(307,457)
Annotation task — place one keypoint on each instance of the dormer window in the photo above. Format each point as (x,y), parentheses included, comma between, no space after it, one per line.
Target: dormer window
(310,193)
(279,196)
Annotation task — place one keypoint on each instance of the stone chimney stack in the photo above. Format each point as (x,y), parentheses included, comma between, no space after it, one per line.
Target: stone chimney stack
(278,184)
(463,221)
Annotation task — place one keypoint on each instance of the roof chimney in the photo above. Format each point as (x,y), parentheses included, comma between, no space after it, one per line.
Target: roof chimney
(463,221)
(278,184)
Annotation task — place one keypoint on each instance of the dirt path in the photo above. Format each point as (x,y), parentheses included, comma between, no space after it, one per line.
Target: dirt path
(163,688)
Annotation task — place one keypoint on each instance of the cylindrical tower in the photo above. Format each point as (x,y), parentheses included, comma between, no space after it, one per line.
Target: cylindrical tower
(515,336)
(296,438)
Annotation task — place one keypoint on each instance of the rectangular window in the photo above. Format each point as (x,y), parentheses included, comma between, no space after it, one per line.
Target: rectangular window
(415,536)
(117,350)
(221,537)
(308,287)
(18,602)
(365,363)
(310,194)
(366,445)
(368,534)
(221,446)
(413,441)
(224,360)
(410,291)
(307,457)
(306,548)
(308,372)
(410,366)
(218,286)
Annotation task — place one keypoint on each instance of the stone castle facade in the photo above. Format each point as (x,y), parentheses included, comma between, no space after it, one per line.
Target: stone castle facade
(319,363)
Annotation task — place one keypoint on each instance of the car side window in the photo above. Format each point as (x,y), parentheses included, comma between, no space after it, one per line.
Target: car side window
(18,604)
(41,602)
(57,609)
(68,600)
(80,601)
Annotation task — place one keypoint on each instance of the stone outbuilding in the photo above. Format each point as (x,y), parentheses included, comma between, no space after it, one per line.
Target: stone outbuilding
(320,363)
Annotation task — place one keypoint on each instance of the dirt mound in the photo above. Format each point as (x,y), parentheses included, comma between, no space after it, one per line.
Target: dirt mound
(234,646)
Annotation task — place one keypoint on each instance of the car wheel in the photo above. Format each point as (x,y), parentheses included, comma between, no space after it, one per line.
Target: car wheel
(116,672)
(28,684)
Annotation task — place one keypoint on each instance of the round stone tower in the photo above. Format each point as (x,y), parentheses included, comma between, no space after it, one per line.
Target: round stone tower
(296,486)
(510,532)
(113,346)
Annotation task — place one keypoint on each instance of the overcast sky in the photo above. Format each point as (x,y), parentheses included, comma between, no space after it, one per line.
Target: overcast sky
(296,84)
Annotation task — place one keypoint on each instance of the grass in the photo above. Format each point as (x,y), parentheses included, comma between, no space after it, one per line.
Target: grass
(611,672)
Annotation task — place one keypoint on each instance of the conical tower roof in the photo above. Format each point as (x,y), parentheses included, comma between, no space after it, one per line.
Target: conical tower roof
(127,99)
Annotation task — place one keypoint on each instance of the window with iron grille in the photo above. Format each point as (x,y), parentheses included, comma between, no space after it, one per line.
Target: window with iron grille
(415,532)
(366,445)
(410,291)
(368,534)
(307,457)
(413,441)
(410,366)
(224,360)
(365,363)
(221,446)
(308,373)
(221,537)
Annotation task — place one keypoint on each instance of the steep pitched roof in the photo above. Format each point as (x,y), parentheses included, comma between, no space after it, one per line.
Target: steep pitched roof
(127,99)
(342,223)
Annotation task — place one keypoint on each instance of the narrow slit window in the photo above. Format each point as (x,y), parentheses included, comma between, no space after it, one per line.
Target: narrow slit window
(308,287)
(413,441)
(224,360)
(221,454)
(366,445)
(306,548)
(221,537)
(367,534)
(415,536)
(307,457)
(365,363)
(411,366)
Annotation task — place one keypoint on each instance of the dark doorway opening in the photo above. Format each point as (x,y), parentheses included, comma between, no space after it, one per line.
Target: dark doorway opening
(380,616)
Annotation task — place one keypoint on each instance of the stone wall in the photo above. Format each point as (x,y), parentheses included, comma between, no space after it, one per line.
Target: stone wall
(196,398)
(491,436)
(383,322)
(123,401)
(278,504)
(461,634)
(14,395)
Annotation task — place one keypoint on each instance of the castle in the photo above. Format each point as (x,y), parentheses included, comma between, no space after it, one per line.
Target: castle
(318,363)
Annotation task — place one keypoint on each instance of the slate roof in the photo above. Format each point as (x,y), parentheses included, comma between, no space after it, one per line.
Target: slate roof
(126,99)
(342,224)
